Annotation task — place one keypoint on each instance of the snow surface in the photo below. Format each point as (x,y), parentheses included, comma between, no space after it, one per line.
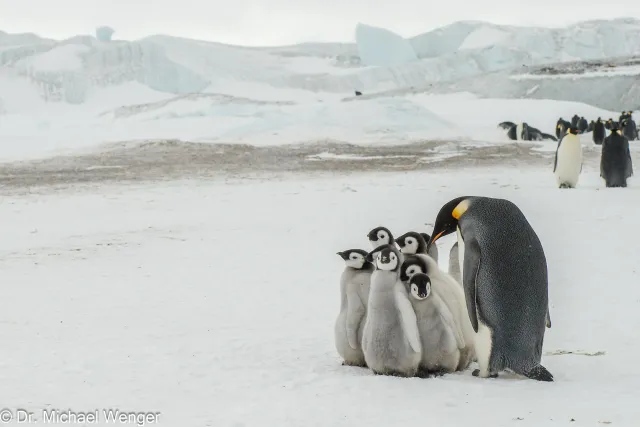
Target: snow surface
(173,298)
(381,47)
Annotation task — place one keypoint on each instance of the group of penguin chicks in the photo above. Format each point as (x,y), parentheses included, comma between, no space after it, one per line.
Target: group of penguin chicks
(397,290)
(616,165)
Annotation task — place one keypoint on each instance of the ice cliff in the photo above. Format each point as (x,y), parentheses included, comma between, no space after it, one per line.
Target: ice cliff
(68,70)
(381,47)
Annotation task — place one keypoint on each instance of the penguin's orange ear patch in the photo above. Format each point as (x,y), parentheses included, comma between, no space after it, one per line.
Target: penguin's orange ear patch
(460,209)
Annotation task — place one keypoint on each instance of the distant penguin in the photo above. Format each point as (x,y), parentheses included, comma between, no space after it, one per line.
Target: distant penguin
(583,125)
(574,121)
(390,340)
(610,124)
(592,124)
(567,164)
(354,295)
(358,93)
(535,134)
(505,283)
(451,293)
(440,334)
(454,263)
(561,127)
(629,129)
(506,125)
(380,236)
(615,160)
(412,243)
(599,132)
(623,115)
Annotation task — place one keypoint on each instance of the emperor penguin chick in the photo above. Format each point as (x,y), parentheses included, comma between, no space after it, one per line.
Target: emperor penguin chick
(354,295)
(451,293)
(439,334)
(412,243)
(390,340)
(380,236)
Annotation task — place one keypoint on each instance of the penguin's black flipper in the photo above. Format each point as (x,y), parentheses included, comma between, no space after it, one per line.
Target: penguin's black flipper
(555,158)
(539,373)
(470,272)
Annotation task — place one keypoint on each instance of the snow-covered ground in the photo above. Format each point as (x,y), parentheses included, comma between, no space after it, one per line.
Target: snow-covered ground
(213,302)
(294,118)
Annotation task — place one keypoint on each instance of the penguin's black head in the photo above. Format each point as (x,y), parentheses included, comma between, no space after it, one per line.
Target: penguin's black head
(380,236)
(412,265)
(420,286)
(412,243)
(447,219)
(574,131)
(355,258)
(599,120)
(387,257)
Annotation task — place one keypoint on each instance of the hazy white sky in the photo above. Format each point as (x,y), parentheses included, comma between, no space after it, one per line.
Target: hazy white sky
(276,22)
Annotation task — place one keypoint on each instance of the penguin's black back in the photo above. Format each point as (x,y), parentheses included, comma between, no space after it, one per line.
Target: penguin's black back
(630,130)
(512,282)
(599,133)
(615,160)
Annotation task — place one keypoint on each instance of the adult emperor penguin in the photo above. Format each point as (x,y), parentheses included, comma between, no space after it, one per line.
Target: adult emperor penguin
(505,283)
(583,125)
(599,132)
(561,127)
(629,129)
(354,295)
(380,236)
(451,293)
(567,164)
(615,160)
(440,334)
(412,243)
(390,340)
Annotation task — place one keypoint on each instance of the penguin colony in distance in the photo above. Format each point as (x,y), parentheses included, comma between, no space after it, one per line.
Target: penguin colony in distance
(401,315)
(615,163)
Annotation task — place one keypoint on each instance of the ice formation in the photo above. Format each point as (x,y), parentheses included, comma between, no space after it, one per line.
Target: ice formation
(381,47)
(104,33)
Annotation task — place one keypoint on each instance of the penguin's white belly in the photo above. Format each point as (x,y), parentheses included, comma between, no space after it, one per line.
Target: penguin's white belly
(519,132)
(569,162)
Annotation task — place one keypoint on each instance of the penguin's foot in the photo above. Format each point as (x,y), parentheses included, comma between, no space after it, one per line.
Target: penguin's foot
(476,373)
(356,364)
(426,373)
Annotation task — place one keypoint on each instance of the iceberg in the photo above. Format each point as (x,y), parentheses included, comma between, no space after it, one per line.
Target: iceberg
(381,47)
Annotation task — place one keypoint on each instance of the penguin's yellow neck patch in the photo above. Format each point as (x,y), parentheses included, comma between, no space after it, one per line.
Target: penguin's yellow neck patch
(460,209)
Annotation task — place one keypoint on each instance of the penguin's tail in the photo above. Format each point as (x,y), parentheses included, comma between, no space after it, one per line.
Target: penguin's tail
(539,373)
